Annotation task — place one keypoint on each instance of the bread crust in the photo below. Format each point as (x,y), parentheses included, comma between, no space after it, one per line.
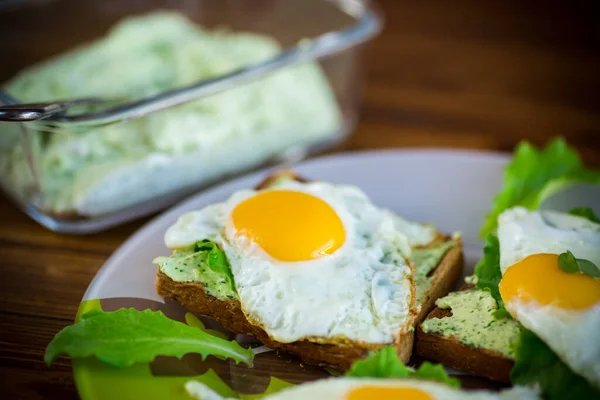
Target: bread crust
(443,278)
(452,353)
(341,355)
(229,314)
(282,173)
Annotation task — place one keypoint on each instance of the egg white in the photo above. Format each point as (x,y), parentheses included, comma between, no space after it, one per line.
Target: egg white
(339,388)
(362,292)
(522,233)
(571,334)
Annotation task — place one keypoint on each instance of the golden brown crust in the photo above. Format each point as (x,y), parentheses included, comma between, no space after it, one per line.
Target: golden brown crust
(282,173)
(450,352)
(341,355)
(443,278)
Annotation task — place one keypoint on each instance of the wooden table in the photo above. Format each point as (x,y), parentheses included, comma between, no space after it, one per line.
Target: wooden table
(449,74)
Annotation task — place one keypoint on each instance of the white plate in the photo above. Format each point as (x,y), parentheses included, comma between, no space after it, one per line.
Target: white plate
(451,189)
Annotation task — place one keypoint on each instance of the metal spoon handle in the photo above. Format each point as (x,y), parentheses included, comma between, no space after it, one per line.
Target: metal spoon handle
(36,111)
(31,112)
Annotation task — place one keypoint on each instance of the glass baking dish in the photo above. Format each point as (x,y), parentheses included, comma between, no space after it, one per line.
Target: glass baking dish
(208,104)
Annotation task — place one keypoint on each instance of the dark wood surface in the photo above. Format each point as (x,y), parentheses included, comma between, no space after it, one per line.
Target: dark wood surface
(462,74)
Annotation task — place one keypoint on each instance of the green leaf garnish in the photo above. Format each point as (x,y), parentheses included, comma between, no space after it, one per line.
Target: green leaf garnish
(217,261)
(568,263)
(534,175)
(586,213)
(127,336)
(435,372)
(536,363)
(192,320)
(489,275)
(588,268)
(385,363)
(203,262)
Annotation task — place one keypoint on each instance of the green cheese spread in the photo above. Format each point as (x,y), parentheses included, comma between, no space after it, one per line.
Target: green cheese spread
(472,322)
(190,266)
(425,261)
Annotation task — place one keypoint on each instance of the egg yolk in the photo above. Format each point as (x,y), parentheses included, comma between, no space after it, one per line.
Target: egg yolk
(290,225)
(387,393)
(539,278)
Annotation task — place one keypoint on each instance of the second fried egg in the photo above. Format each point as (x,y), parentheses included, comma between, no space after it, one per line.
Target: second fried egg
(562,309)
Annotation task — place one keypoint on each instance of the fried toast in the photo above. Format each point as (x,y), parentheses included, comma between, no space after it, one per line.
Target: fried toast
(340,354)
(452,353)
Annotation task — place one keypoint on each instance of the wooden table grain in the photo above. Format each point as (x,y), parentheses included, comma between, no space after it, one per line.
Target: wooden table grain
(460,74)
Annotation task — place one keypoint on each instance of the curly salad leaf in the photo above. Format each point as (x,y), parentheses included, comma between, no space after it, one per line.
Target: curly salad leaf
(534,175)
(536,363)
(127,336)
(385,363)
(489,275)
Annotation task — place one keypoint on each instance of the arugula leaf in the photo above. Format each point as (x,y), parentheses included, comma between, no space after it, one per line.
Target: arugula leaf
(435,372)
(536,363)
(385,363)
(192,320)
(568,263)
(585,212)
(127,336)
(217,261)
(489,275)
(534,175)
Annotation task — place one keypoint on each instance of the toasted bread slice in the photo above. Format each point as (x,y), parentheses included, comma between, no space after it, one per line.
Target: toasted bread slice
(452,353)
(443,278)
(229,313)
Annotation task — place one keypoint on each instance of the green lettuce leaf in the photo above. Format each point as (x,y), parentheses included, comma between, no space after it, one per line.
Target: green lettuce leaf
(127,336)
(585,212)
(536,363)
(217,261)
(489,275)
(568,263)
(534,175)
(385,363)
(435,372)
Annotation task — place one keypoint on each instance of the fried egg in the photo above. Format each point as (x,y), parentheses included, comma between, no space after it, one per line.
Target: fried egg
(562,309)
(380,389)
(313,260)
